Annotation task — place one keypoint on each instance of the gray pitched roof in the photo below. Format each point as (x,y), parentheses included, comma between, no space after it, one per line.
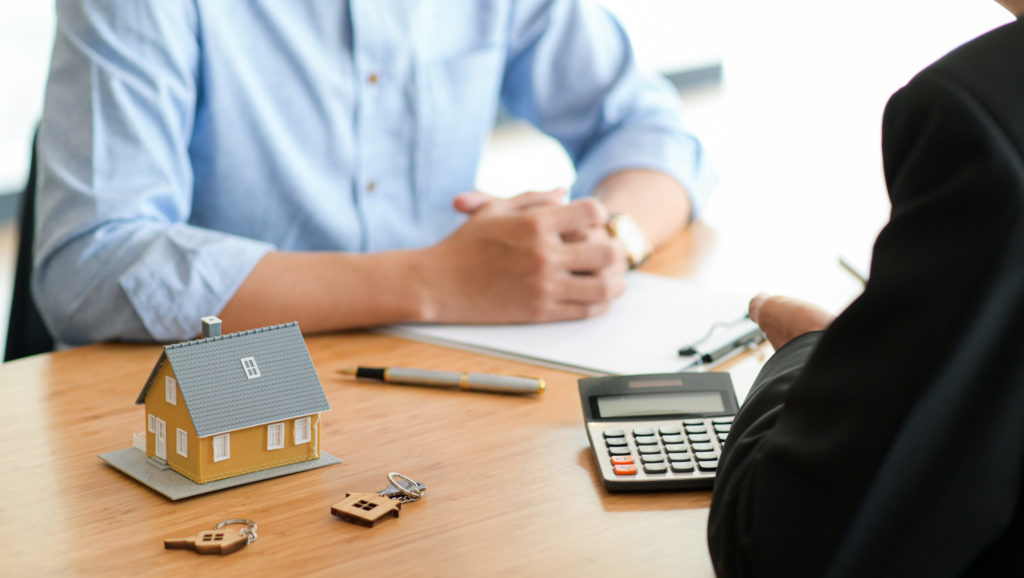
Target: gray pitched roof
(221,398)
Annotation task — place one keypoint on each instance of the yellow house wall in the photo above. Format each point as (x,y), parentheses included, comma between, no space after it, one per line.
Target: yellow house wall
(249,451)
(176,416)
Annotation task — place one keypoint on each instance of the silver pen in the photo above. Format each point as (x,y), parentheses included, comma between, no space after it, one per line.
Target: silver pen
(465,380)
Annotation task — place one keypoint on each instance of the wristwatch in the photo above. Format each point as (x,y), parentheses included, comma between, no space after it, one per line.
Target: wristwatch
(622,227)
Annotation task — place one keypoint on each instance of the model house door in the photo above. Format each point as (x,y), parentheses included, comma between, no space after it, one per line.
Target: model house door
(161,439)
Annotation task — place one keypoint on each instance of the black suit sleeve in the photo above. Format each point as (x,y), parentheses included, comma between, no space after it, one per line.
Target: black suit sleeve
(809,443)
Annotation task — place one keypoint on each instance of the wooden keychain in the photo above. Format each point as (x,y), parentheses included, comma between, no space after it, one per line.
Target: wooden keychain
(367,509)
(216,541)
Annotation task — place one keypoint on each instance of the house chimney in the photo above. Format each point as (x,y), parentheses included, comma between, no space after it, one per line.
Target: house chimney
(211,326)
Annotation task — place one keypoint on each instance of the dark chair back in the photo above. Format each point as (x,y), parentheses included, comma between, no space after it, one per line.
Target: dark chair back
(26,333)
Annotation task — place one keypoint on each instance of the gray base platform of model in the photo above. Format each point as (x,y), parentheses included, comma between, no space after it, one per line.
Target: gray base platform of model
(135,464)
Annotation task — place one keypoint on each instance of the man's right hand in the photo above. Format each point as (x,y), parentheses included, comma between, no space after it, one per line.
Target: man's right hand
(783,318)
(521,260)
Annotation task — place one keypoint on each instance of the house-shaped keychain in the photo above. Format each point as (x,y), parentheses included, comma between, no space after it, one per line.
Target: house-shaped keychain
(227,405)
(365,509)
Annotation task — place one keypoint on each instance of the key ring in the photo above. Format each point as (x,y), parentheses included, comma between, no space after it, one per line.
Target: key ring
(411,491)
(249,531)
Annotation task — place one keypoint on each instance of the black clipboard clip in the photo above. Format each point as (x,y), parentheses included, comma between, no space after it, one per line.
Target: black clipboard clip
(730,338)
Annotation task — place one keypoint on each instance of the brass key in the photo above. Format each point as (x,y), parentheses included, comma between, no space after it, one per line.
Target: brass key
(216,541)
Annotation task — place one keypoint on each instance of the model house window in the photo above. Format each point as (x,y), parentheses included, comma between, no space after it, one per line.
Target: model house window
(171,391)
(221,447)
(251,370)
(302,434)
(275,436)
(182,443)
(151,423)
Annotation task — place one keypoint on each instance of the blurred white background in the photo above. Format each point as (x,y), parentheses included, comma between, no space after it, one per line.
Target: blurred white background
(26,37)
(794,127)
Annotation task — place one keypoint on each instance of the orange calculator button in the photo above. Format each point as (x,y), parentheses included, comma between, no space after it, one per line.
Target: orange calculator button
(616,460)
(625,470)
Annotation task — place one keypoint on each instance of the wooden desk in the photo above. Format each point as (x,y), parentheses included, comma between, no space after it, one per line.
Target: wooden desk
(512,485)
(513,489)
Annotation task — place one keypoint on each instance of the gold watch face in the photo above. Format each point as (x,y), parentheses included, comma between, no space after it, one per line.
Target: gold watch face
(625,229)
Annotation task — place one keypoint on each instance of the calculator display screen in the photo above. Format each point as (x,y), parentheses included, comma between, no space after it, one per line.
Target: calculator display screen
(642,404)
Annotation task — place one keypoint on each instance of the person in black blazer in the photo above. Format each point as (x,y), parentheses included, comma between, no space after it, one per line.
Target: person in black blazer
(890,441)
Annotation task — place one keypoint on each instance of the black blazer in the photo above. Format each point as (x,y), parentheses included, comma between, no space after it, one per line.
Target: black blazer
(892,444)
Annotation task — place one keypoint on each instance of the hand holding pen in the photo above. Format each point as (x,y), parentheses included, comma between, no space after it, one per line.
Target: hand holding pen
(783,318)
(740,335)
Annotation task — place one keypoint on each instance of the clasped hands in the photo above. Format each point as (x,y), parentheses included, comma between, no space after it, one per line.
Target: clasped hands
(529,258)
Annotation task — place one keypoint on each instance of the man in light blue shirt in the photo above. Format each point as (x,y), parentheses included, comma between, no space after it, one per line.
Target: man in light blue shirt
(315,161)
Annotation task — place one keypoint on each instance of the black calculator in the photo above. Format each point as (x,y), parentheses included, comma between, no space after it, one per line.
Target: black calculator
(658,431)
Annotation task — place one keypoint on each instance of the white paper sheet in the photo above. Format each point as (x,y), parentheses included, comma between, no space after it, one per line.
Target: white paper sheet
(641,333)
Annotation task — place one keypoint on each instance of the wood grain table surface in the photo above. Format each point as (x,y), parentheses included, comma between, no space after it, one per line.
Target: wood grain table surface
(512,486)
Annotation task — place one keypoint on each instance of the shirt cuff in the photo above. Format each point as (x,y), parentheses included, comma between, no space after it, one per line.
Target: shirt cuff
(187,274)
(681,157)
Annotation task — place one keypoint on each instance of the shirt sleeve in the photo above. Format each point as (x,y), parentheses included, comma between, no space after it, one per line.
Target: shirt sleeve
(115,257)
(573,74)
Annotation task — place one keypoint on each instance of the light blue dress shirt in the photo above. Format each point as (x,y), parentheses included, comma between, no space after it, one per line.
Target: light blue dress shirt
(182,140)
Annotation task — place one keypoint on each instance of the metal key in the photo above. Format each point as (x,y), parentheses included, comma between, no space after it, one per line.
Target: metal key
(408,493)
(216,541)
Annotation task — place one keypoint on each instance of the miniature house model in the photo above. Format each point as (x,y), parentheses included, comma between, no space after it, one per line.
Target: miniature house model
(226,405)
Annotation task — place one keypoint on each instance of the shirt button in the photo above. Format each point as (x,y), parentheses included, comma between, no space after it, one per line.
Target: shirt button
(371,186)
(372,79)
